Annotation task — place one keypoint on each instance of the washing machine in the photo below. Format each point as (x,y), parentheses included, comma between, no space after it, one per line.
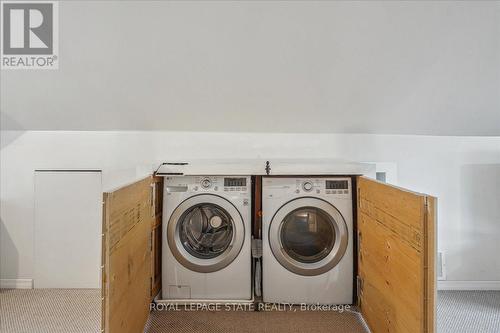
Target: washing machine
(206,238)
(307,235)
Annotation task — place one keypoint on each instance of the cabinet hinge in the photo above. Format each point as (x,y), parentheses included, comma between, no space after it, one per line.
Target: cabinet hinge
(359,285)
(151,286)
(152,198)
(151,241)
(358,245)
(358,198)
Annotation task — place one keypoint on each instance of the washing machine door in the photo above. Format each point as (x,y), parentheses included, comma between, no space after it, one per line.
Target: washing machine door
(205,233)
(308,236)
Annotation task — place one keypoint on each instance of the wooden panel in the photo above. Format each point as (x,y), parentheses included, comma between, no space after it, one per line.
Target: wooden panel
(158,199)
(156,236)
(395,260)
(430,264)
(156,261)
(127,220)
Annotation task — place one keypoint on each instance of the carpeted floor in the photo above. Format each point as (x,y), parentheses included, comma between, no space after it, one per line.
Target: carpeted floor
(50,310)
(78,311)
(253,322)
(468,312)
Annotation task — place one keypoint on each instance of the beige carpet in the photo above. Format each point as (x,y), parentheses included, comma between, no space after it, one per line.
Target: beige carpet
(468,312)
(78,311)
(50,311)
(254,322)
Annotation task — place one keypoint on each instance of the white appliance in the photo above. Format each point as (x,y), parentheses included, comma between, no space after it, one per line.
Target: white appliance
(307,233)
(207,238)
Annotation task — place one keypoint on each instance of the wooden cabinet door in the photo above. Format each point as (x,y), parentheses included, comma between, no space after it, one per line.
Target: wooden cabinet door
(128,216)
(396,253)
(156,236)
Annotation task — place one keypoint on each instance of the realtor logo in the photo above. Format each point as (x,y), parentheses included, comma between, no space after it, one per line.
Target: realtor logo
(29,35)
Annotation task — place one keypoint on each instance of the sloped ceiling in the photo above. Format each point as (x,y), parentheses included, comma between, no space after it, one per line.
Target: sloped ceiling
(367,67)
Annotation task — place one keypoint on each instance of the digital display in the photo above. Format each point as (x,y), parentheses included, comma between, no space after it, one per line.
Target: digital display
(337,185)
(235,182)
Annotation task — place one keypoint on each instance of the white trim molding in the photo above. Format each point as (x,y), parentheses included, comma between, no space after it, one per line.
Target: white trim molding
(16,283)
(468,285)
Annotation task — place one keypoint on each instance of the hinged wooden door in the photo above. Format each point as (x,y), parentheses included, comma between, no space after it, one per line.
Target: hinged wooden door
(156,235)
(396,240)
(127,278)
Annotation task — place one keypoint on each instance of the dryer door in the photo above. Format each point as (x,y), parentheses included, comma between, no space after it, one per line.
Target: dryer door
(308,236)
(205,233)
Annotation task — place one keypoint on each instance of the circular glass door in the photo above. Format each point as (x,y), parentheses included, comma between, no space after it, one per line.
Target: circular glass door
(205,233)
(308,236)
(206,230)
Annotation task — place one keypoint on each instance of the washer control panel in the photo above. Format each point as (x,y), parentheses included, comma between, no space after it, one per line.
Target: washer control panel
(235,184)
(208,184)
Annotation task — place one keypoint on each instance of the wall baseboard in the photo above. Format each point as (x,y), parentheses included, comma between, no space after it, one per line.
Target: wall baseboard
(16,283)
(468,285)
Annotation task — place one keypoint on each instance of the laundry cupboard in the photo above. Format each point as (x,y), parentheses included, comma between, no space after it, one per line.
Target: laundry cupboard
(395,246)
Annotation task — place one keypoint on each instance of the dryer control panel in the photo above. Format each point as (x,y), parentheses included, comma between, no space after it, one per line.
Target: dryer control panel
(339,187)
(336,186)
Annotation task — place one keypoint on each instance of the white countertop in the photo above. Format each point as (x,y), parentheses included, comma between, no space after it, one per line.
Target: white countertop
(279,167)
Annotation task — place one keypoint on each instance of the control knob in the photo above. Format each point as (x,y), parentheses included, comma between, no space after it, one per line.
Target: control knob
(307,186)
(206,183)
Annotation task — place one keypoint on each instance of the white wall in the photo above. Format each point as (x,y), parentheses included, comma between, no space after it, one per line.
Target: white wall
(407,67)
(68,229)
(463,172)
(23,152)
